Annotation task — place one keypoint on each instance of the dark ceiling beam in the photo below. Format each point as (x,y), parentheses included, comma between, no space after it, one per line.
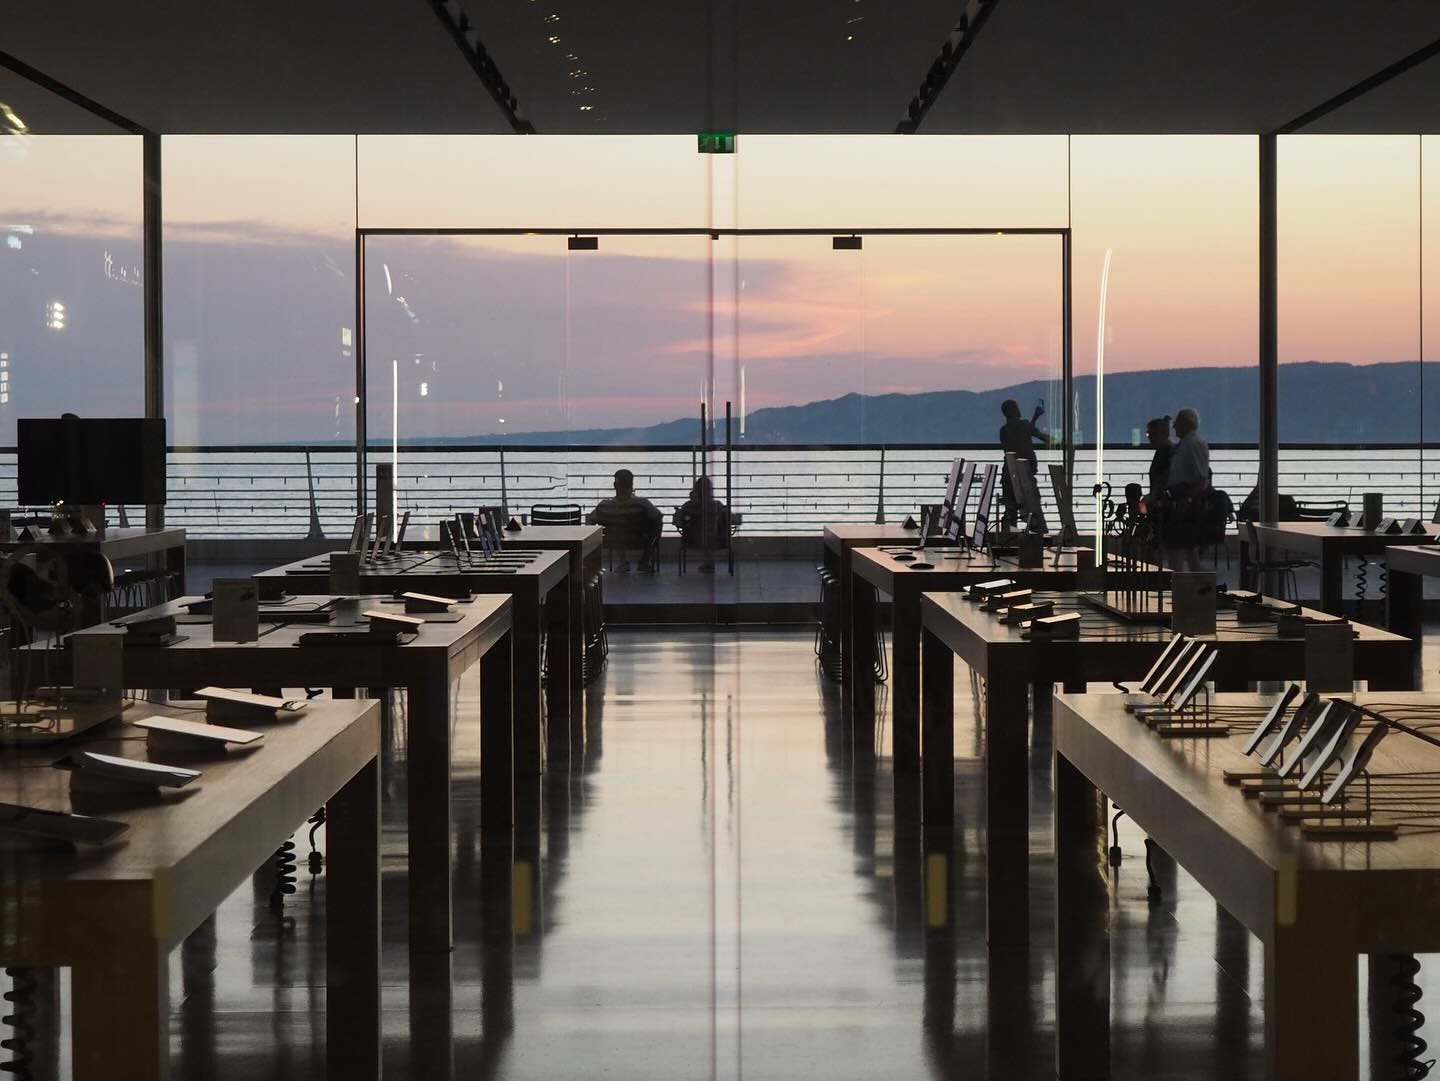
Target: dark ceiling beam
(457,24)
(962,36)
(59,89)
(1363,87)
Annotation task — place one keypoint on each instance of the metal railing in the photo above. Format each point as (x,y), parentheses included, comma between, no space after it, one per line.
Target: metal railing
(296,491)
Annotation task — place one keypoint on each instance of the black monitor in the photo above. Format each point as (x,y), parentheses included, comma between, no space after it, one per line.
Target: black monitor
(955,527)
(984,508)
(87,461)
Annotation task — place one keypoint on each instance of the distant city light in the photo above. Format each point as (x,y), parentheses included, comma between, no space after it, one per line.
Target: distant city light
(424,390)
(55,315)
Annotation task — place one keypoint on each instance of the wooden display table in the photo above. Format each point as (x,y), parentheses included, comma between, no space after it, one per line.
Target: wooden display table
(1330,545)
(1107,649)
(1314,904)
(545,610)
(113,914)
(950,569)
(424,668)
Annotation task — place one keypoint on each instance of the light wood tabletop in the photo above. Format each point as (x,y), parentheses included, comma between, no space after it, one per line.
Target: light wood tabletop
(1314,904)
(424,668)
(1014,668)
(1331,545)
(112,914)
(903,574)
(547,610)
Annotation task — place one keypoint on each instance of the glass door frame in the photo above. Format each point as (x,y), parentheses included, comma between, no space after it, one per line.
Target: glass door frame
(363,234)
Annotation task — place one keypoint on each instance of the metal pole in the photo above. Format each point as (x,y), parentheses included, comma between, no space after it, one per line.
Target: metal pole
(1067,374)
(1269,433)
(729,451)
(704,442)
(154,294)
(361,500)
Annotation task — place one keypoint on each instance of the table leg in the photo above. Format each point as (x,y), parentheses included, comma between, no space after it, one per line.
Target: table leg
(497,757)
(560,645)
(860,667)
(840,564)
(1312,1026)
(1404,607)
(1331,586)
(1388,669)
(1082,928)
(352,927)
(575,593)
(905,680)
(1007,807)
(175,567)
(497,948)
(938,738)
(432,1044)
(528,694)
(428,784)
(120,1010)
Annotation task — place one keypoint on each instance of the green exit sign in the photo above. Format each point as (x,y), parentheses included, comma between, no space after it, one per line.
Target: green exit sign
(717,142)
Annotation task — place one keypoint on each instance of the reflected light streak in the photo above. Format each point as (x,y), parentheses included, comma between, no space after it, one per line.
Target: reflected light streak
(1100,406)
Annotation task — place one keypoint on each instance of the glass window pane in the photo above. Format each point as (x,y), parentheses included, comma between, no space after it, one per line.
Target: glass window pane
(72,313)
(1176,221)
(259,315)
(1349,228)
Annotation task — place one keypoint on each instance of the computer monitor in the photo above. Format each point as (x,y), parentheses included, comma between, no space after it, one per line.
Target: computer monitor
(90,461)
(984,508)
(955,527)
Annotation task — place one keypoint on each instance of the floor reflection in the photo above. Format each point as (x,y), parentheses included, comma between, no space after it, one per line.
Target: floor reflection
(738,886)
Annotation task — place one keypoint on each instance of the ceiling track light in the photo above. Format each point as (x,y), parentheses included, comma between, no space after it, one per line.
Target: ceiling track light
(457,23)
(961,37)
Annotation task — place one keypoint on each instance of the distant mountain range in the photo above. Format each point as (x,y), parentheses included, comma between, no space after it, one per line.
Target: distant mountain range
(1319,403)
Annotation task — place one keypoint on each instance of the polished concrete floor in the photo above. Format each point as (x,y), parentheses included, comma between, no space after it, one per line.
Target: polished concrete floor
(720,888)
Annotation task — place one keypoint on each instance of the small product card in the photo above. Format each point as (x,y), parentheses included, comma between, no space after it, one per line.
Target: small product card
(236,610)
(1193,596)
(99,661)
(1330,658)
(345,574)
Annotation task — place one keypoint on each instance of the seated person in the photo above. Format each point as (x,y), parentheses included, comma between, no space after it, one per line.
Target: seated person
(630,521)
(703,521)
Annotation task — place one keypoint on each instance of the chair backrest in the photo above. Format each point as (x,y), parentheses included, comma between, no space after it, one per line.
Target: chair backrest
(1317,510)
(627,527)
(556,514)
(714,531)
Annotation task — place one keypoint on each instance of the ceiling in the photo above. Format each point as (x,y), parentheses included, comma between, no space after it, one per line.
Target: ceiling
(276,66)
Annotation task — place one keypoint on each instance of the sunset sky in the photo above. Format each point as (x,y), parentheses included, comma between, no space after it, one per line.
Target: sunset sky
(260,252)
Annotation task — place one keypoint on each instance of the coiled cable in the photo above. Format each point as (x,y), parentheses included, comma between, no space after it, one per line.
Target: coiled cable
(21,1019)
(1411,1045)
(284,875)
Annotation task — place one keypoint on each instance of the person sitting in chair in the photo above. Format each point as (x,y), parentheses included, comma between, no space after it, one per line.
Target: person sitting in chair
(630,521)
(703,521)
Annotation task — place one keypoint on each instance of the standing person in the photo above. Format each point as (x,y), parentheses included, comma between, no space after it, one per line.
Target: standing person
(630,521)
(1188,486)
(1157,434)
(1018,436)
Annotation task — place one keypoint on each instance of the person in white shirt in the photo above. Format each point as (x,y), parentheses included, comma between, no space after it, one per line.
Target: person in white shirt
(1188,481)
